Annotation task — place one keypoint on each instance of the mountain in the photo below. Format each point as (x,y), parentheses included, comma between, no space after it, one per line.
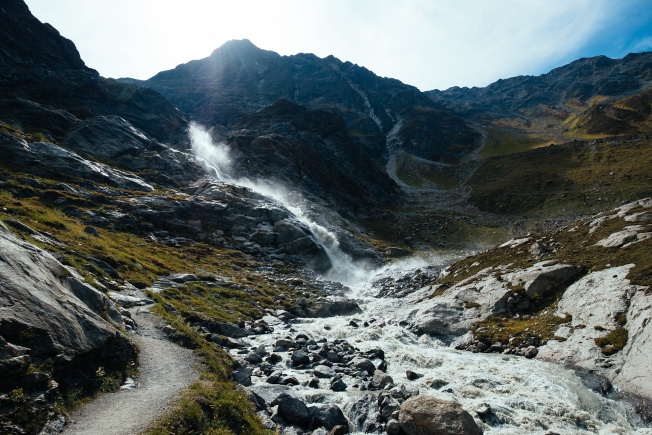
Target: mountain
(239,78)
(588,98)
(104,208)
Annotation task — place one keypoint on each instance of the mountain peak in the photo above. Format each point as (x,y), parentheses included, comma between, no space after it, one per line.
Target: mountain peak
(236,46)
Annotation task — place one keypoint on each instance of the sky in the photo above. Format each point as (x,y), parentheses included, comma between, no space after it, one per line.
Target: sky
(430,44)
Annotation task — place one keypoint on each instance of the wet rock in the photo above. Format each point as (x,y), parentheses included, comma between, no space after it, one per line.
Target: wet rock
(292,410)
(388,406)
(436,383)
(331,308)
(285,343)
(381,378)
(424,415)
(365,415)
(322,371)
(339,430)
(253,358)
(411,376)
(275,377)
(393,427)
(289,380)
(330,416)
(313,383)
(337,384)
(487,414)
(300,357)
(364,365)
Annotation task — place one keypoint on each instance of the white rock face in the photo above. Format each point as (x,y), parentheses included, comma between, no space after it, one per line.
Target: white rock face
(595,301)
(634,374)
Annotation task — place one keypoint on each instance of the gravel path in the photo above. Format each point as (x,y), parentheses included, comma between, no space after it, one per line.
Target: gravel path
(165,369)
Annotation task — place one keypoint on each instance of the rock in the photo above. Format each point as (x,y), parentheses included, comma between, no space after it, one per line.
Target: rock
(393,427)
(542,279)
(436,383)
(117,136)
(284,343)
(425,415)
(388,406)
(313,383)
(530,352)
(365,415)
(322,371)
(292,410)
(364,364)
(46,159)
(330,416)
(337,384)
(335,307)
(339,430)
(47,308)
(253,358)
(381,378)
(300,357)
(411,376)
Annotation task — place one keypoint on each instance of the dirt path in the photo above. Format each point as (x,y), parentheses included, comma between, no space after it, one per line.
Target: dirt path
(165,369)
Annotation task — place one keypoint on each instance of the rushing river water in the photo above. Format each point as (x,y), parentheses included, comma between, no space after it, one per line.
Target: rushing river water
(525,396)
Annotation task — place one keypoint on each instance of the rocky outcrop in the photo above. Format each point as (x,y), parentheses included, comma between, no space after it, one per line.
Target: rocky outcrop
(48,159)
(42,73)
(56,331)
(425,415)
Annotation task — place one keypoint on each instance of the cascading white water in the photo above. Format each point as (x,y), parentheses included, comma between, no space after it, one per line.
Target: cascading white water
(216,159)
(529,396)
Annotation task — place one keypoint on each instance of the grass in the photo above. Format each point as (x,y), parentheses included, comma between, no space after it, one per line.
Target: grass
(230,290)
(569,179)
(540,327)
(503,142)
(613,342)
(574,246)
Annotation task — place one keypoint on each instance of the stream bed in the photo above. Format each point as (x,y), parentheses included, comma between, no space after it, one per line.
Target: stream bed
(325,362)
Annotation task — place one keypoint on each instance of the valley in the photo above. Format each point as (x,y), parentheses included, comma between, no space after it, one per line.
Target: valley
(317,249)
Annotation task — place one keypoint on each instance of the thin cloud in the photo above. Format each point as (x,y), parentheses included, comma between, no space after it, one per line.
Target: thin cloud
(428,44)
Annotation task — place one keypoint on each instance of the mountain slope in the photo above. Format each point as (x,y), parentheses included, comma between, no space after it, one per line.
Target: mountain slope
(576,101)
(239,78)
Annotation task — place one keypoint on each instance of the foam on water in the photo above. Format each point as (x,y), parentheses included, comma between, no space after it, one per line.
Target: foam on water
(528,396)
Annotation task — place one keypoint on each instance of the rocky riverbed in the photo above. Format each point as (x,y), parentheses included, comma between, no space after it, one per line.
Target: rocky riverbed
(371,371)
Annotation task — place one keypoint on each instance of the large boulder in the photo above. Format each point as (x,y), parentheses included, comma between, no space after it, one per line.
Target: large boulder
(425,415)
(48,313)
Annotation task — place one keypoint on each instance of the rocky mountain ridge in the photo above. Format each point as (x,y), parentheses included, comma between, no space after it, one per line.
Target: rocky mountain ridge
(100,173)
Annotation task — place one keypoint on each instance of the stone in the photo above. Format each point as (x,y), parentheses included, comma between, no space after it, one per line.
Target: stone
(425,415)
(54,309)
(411,376)
(339,430)
(530,352)
(393,427)
(364,365)
(381,378)
(330,416)
(337,384)
(292,410)
(322,371)
(300,357)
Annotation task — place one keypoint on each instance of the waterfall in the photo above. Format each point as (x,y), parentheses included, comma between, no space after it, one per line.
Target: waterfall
(217,161)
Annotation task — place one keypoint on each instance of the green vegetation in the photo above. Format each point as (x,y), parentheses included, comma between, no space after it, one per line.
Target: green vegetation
(230,290)
(503,142)
(613,342)
(540,327)
(569,179)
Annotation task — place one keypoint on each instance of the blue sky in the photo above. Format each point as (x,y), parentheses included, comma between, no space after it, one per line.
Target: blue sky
(431,44)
